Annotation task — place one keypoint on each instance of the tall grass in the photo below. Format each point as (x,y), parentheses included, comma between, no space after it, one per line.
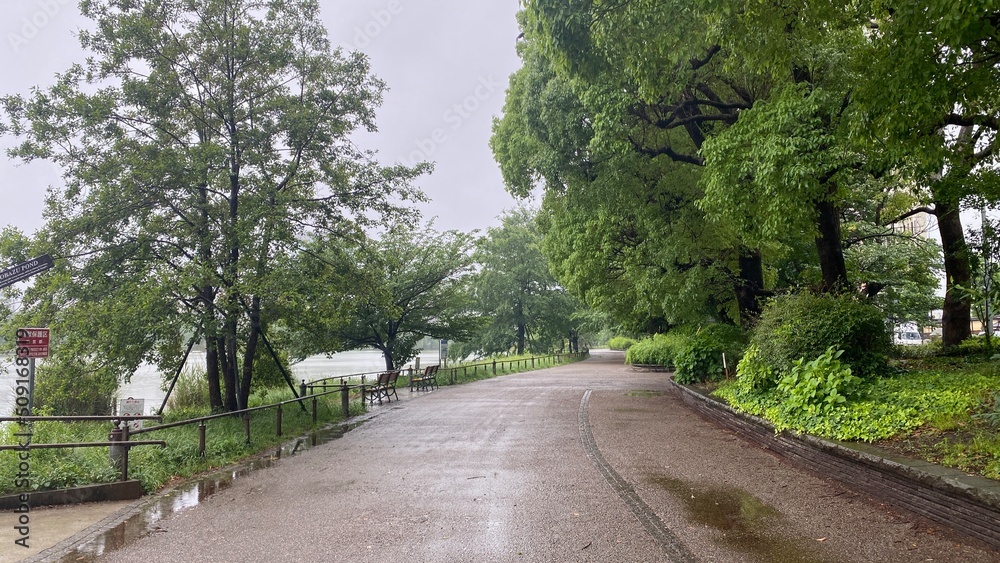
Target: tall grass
(155,466)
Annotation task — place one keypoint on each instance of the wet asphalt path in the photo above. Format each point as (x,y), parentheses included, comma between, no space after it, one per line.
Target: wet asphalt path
(586,462)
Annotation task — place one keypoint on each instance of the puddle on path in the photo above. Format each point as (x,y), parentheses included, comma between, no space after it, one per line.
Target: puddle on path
(145,521)
(746,524)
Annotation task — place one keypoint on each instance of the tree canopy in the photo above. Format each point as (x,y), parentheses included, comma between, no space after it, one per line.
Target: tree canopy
(386,293)
(525,308)
(201,143)
(691,153)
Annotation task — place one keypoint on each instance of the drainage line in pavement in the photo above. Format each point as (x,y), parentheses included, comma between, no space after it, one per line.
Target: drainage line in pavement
(669,542)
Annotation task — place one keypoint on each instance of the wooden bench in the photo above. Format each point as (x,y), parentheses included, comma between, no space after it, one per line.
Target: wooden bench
(427,380)
(390,387)
(383,388)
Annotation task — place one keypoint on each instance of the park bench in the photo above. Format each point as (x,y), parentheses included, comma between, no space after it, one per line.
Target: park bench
(390,387)
(427,380)
(383,388)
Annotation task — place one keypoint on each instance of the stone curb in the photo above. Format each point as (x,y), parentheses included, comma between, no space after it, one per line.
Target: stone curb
(967,504)
(119,490)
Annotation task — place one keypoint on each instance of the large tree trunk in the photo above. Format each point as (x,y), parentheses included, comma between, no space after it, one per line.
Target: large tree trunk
(227,357)
(830,247)
(749,285)
(212,371)
(249,354)
(521,328)
(957,313)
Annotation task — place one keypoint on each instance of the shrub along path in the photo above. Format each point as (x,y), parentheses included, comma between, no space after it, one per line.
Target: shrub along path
(585,462)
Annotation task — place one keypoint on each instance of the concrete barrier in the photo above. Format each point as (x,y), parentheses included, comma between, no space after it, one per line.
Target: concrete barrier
(121,490)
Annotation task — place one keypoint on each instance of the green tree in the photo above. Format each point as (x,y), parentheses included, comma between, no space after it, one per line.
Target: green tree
(621,231)
(386,294)
(200,142)
(657,84)
(526,307)
(929,101)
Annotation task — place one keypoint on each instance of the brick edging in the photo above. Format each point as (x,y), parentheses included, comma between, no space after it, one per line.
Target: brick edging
(967,504)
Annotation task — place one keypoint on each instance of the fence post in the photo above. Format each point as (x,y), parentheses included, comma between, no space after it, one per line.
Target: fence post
(302,389)
(125,452)
(279,420)
(315,408)
(494,367)
(118,453)
(345,399)
(246,426)
(532,362)
(201,439)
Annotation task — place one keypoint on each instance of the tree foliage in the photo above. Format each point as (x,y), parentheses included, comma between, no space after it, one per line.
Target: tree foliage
(526,308)
(200,141)
(699,149)
(386,293)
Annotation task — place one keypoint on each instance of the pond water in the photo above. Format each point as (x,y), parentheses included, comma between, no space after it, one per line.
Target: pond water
(145,383)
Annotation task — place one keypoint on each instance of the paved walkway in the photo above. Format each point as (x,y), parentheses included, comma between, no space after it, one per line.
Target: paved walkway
(585,462)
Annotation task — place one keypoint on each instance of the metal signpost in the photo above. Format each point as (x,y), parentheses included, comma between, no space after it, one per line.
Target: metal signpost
(32,343)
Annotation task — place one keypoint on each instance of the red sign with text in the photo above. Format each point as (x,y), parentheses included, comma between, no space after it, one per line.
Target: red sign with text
(33,342)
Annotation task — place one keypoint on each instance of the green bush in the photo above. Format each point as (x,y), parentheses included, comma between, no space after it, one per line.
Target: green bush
(658,350)
(753,372)
(70,387)
(804,325)
(974,346)
(927,350)
(620,343)
(880,409)
(818,385)
(699,357)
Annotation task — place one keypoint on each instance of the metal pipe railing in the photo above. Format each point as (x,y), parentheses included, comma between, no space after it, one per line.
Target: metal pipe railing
(92,418)
(231,413)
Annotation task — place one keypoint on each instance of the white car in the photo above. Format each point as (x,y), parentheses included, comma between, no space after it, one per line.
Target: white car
(907,338)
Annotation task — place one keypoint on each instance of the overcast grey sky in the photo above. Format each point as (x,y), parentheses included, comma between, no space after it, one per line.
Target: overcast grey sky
(446,64)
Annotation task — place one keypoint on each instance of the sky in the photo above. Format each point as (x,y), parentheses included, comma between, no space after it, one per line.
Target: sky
(446,64)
